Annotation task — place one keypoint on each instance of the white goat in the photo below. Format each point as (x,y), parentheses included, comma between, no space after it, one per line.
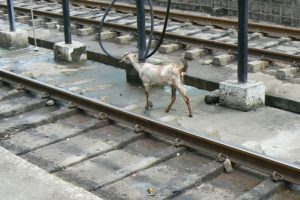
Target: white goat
(169,74)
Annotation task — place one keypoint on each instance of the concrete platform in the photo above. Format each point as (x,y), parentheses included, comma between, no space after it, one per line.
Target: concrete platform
(268,130)
(23,180)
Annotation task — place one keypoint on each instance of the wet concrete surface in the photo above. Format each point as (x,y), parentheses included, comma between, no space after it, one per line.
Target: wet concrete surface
(261,130)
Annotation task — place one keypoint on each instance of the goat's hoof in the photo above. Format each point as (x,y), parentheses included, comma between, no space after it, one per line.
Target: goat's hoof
(150,104)
(167,110)
(147,108)
(190,115)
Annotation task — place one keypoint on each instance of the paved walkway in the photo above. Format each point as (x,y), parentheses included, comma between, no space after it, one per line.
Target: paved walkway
(21,180)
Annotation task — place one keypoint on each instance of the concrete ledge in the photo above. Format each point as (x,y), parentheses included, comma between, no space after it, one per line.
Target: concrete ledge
(23,180)
(210,85)
(75,52)
(243,97)
(17,39)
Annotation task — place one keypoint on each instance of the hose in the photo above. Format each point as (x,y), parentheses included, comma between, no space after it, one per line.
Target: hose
(151,31)
(164,30)
(100,30)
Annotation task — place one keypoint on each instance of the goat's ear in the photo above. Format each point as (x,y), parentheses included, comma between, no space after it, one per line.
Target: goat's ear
(125,54)
(122,60)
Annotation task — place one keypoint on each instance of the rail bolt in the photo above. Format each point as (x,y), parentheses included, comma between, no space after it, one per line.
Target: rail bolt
(277,177)
(102,116)
(72,105)
(138,128)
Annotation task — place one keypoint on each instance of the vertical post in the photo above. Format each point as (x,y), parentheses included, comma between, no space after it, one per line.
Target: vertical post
(140,6)
(11,15)
(67,24)
(243,41)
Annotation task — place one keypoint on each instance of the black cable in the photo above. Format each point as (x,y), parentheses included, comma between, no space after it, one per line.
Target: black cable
(100,30)
(164,30)
(152,29)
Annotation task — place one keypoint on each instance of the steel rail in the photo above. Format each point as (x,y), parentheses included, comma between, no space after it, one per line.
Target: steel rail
(287,171)
(211,44)
(202,20)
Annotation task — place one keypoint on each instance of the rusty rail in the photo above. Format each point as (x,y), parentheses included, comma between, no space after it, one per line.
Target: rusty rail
(287,171)
(211,44)
(202,20)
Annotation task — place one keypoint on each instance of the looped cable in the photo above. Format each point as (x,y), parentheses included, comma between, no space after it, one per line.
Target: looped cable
(102,24)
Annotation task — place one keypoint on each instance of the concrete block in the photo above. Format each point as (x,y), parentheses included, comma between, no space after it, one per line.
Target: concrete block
(73,28)
(86,31)
(5,16)
(195,53)
(37,22)
(169,48)
(287,73)
(243,97)
(213,97)
(223,60)
(17,39)
(75,52)
(124,39)
(22,19)
(51,25)
(257,65)
(106,35)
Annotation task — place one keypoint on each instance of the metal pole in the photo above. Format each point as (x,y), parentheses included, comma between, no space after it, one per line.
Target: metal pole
(11,15)
(243,41)
(140,6)
(67,22)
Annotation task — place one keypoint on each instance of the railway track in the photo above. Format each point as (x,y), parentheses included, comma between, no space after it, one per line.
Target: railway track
(283,49)
(119,155)
(198,19)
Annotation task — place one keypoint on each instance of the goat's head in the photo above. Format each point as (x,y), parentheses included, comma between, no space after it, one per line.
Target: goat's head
(127,56)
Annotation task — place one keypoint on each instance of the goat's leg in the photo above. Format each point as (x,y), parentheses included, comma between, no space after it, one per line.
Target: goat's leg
(148,102)
(173,98)
(182,92)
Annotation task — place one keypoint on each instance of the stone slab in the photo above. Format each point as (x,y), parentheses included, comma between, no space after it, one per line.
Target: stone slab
(287,73)
(23,180)
(51,25)
(257,65)
(124,39)
(195,53)
(223,60)
(169,48)
(86,31)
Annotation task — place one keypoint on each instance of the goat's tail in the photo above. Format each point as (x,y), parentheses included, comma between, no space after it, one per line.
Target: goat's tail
(185,65)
